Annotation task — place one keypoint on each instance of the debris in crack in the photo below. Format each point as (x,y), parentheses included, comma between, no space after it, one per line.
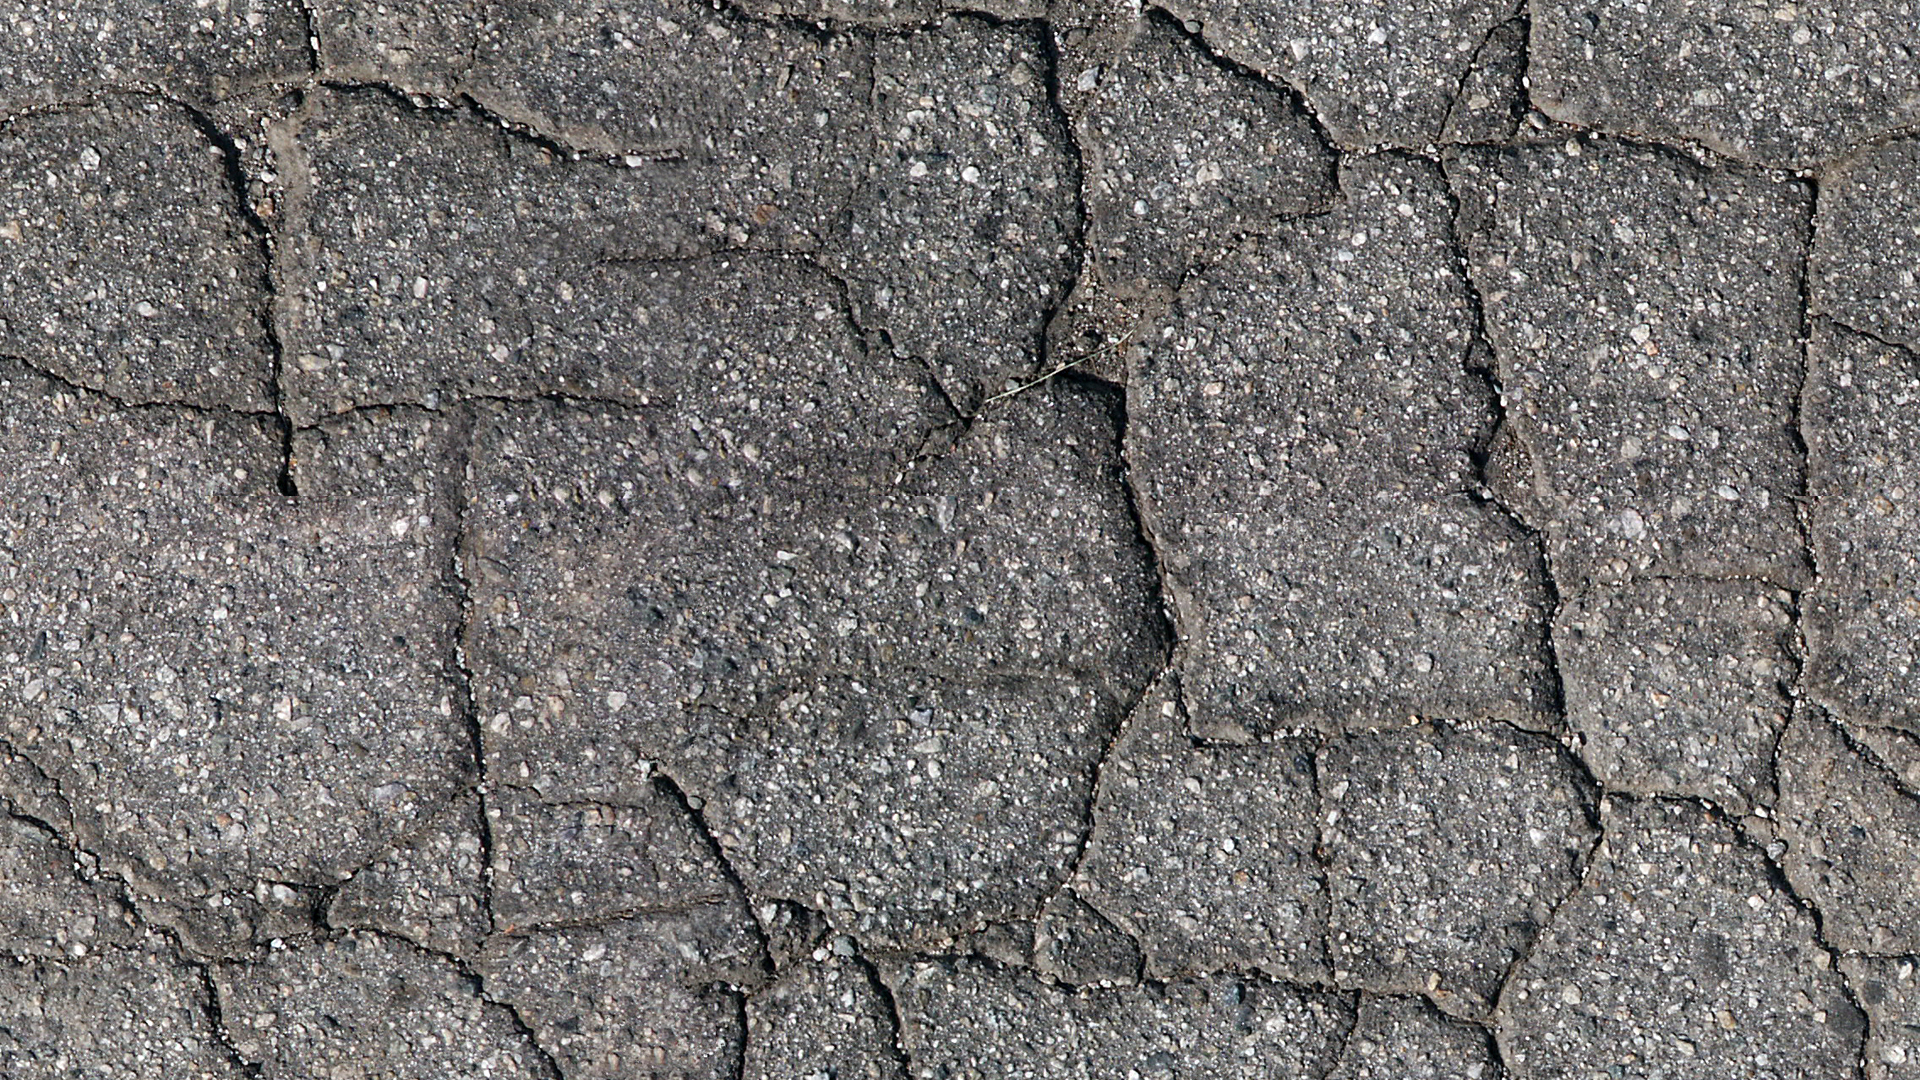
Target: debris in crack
(961,637)
(1492,96)
(47,909)
(121,1011)
(183,687)
(489,277)
(1373,76)
(1075,944)
(427,888)
(425,45)
(1891,994)
(721,539)
(556,864)
(1189,155)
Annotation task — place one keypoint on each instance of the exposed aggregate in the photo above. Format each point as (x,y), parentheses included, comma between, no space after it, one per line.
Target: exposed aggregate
(885,539)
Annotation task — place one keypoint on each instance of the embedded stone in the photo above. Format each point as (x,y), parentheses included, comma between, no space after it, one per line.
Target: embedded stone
(1396,1038)
(1786,85)
(959,243)
(177,663)
(1373,76)
(55,53)
(1075,944)
(1205,855)
(1863,475)
(963,638)
(1866,243)
(555,864)
(1852,834)
(1185,155)
(1890,995)
(428,888)
(121,1012)
(652,995)
(367,1004)
(961,1016)
(828,1020)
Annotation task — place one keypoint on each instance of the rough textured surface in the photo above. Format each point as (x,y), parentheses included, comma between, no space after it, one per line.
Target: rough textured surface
(368,1005)
(1446,852)
(650,994)
(1406,1039)
(1326,564)
(428,888)
(131,268)
(972,1018)
(200,52)
(1165,193)
(1679,686)
(186,690)
(1866,243)
(1373,75)
(1206,854)
(898,539)
(960,236)
(1863,624)
(121,1014)
(1852,833)
(585,862)
(1680,955)
(831,1020)
(501,269)
(1075,944)
(1890,994)
(1783,84)
(827,651)
(1645,316)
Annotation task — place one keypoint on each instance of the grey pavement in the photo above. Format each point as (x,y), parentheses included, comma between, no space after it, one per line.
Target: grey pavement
(878,539)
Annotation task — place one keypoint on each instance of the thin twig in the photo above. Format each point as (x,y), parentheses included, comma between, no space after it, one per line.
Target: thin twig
(1068,366)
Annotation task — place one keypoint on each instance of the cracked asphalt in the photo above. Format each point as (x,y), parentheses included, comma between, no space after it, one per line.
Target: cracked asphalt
(868,540)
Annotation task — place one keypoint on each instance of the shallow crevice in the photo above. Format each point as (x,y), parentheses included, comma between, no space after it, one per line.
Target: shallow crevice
(1335,150)
(896,1019)
(1517,17)
(671,788)
(216,1021)
(1485,492)
(463,548)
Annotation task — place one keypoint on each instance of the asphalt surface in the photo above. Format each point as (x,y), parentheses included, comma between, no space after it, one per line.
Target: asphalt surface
(858,540)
